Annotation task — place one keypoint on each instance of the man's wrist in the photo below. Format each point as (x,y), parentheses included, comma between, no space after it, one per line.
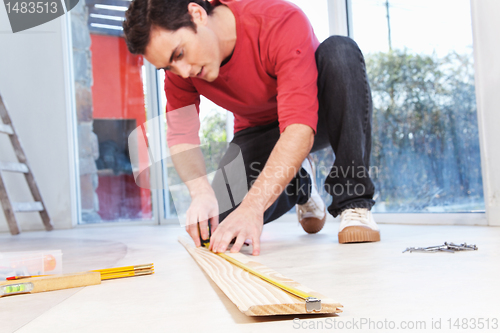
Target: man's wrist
(254,203)
(200,187)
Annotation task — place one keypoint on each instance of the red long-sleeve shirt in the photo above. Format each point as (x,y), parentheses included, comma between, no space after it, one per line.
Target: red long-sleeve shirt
(271,75)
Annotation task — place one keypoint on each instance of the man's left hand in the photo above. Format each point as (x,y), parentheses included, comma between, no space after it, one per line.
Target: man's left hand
(243,223)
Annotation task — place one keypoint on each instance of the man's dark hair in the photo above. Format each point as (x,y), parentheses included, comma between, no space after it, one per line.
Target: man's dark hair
(143,15)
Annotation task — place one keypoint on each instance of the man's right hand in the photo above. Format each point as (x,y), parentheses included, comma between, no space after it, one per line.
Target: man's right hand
(203,209)
(189,163)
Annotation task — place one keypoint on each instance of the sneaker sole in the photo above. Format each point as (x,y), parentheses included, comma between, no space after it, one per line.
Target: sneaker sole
(312,225)
(358,234)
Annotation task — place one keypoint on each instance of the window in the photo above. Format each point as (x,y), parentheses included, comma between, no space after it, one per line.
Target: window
(425,135)
(110,105)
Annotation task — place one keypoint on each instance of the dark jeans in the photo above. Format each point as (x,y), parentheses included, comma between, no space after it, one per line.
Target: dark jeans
(345,112)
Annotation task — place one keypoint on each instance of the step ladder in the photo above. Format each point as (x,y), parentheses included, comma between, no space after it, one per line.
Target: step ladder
(21,166)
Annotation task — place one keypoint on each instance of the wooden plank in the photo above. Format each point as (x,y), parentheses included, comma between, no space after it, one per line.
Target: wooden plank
(35,206)
(8,209)
(6,129)
(252,295)
(14,167)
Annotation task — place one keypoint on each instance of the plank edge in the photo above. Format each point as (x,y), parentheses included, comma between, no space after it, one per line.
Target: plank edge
(265,310)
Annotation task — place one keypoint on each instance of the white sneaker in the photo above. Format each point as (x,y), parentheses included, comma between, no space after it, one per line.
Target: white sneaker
(357,225)
(312,214)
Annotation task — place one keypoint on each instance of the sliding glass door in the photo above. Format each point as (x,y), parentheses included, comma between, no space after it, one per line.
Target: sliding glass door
(110,104)
(425,136)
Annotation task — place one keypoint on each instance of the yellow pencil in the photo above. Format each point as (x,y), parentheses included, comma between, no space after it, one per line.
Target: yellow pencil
(123,269)
(107,272)
(125,274)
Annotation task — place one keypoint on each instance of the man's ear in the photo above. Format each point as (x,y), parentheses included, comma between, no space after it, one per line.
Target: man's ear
(198,13)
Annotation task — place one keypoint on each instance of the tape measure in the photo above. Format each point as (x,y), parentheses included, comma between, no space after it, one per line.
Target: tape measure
(312,303)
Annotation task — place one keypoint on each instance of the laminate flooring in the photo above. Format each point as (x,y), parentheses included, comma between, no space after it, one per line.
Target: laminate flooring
(380,287)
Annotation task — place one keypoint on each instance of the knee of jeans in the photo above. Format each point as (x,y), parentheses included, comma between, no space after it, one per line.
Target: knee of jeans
(337,46)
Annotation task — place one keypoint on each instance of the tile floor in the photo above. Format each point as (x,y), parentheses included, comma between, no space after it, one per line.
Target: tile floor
(377,284)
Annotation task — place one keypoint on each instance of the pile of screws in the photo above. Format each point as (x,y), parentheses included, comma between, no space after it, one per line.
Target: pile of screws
(447,247)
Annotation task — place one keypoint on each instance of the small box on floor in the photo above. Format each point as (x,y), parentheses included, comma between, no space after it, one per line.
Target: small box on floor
(30,263)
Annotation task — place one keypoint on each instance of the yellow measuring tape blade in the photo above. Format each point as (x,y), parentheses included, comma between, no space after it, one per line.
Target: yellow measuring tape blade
(278,284)
(291,290)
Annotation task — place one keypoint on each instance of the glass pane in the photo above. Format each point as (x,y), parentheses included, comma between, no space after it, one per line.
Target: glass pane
(425,136)
(110,105)
(213,136)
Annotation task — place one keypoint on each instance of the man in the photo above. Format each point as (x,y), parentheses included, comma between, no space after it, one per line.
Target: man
(261,60)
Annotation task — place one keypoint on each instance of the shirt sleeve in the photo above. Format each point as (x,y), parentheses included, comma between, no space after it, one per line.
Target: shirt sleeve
(292,46)
(183,108)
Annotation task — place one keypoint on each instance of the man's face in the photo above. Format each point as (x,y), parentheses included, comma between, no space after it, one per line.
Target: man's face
(185,53)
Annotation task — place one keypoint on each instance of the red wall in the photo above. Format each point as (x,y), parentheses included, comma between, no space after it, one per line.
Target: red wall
(117,93)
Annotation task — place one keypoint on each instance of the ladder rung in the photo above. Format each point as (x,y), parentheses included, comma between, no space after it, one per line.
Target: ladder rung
(6,129)
(35,206)
(14,167)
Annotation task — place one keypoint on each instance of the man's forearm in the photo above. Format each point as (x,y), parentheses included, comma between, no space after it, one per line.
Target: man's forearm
(284,162)
(203,209)
(190,165)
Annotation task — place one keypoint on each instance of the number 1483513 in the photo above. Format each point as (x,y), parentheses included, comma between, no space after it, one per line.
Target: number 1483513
(31,7)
